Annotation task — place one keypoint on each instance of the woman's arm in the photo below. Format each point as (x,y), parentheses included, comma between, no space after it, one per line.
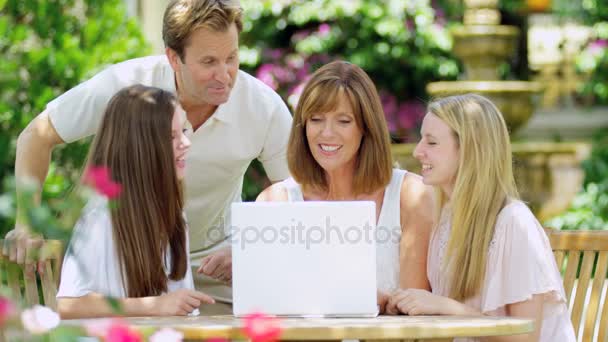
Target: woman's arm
(421,302)
(177,303)
(416,224)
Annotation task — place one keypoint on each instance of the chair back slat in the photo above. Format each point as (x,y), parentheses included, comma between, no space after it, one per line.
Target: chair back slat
(559,259)
(15,275)
(603,331)
(13,280)
(31,290)
(585,282)
(596,294)
(581,289)
(570,274)
(48,282)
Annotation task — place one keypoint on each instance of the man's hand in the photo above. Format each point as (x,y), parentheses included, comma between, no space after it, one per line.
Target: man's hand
(218,265)
(22,247)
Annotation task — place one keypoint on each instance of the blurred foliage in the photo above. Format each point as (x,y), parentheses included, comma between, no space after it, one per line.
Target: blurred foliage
(589,209)
(593,60)
(402,45)
(48,47)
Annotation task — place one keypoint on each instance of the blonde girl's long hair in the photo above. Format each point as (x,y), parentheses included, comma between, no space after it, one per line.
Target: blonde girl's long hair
(134,142)
(484,182)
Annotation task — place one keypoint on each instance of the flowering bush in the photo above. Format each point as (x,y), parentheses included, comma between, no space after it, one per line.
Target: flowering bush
(48,47)
(593,61)
(402,45)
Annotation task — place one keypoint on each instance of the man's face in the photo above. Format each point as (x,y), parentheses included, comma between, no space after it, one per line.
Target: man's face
(209,67)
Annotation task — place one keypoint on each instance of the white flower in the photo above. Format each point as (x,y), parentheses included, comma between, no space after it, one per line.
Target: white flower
(39,319)
(167,335)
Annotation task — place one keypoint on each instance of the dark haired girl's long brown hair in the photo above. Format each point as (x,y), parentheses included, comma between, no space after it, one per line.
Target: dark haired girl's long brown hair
(134,142)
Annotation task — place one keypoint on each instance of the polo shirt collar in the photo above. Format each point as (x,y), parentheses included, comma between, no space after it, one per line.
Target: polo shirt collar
(225,112)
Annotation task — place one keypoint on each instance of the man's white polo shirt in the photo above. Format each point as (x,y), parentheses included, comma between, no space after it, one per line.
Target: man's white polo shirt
(253,123)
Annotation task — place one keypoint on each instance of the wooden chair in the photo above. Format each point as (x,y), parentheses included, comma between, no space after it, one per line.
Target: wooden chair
(12,276)
(587,251)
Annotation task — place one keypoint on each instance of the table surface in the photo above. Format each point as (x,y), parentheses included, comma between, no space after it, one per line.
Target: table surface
(379,328)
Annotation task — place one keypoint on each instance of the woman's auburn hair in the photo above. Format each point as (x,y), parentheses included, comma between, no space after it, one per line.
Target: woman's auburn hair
(134,142)
(483,185)
(322,94)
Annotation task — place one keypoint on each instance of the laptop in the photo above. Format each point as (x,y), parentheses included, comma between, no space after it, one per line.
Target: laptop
(304,259)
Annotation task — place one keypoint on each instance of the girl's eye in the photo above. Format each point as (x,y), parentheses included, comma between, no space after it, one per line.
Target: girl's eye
(345,121)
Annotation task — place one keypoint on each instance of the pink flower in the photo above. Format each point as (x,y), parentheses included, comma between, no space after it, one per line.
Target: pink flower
(324,30)
(39,319)
(262,328)
(7,309)
(597,47)
(265,74)
(99,178)
(120,332)
(100,327)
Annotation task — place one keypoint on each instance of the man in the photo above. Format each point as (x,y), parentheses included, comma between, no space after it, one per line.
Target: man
(234,119)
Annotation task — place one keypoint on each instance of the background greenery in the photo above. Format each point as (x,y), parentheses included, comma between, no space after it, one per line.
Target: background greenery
(47,47)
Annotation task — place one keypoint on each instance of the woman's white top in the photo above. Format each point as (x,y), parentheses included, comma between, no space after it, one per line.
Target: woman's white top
(91,263)
(387,234)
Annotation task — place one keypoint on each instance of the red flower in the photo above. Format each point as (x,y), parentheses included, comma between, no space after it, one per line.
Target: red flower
(99,178)
(262,328)
(217,339)
(119,332)
(7,309)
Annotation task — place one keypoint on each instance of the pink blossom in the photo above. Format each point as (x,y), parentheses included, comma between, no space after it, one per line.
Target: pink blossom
(262,328)
(409,113)
(389,104)
(7,309)
(217,339)
(265,74)
(99,178)
(597,47)
(324,30)
(120,332)
(100,327)
(39,319)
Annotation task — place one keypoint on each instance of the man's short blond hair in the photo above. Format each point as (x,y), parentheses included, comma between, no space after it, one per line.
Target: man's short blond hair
(182,17)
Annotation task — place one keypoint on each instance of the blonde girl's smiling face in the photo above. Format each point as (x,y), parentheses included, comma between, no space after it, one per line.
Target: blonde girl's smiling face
(438,152)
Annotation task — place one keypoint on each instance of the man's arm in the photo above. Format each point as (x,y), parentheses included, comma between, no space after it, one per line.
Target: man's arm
(34,147)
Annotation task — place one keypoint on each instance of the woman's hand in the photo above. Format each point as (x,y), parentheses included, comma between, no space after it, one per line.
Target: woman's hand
(179,303)
(382,301)
(422,302)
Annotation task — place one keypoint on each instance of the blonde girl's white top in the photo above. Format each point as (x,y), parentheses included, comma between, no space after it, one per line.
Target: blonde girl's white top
(91,263)
(387,234)
(519,264)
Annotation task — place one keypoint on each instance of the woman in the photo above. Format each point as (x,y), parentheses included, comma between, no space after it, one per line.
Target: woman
(135,250)
(488,254)
(339,150)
